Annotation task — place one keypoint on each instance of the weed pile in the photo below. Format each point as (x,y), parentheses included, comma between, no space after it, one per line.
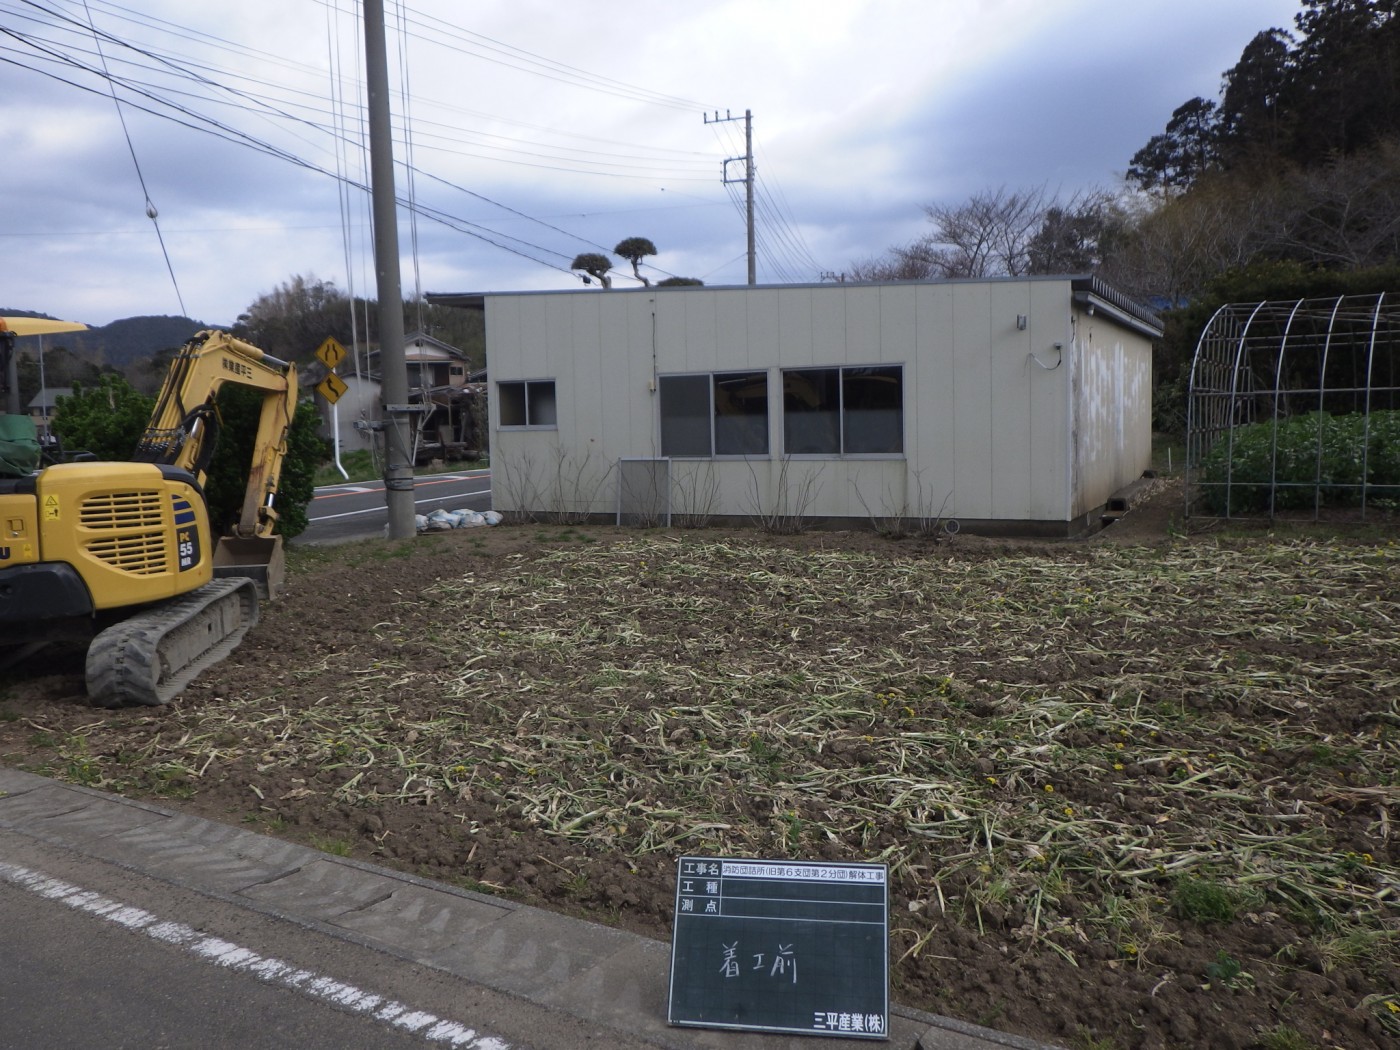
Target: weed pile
(1128,796)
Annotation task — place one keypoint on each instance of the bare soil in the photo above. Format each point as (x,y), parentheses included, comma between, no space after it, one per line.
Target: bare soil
(1134,791)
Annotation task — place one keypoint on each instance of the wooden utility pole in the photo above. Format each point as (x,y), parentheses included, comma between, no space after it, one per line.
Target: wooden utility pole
(747,180)
(393,370)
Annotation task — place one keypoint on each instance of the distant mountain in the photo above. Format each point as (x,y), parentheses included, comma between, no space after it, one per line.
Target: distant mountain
(123,341)
(136,338)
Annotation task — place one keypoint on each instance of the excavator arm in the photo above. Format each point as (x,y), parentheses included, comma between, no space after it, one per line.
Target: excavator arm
(185,421)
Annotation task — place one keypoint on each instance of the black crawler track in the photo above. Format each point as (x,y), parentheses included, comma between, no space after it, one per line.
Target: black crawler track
(149,657)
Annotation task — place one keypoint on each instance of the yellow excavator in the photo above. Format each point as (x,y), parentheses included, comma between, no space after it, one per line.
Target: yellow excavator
(122,553)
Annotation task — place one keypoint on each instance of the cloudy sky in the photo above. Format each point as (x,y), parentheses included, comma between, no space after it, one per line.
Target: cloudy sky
(541,129)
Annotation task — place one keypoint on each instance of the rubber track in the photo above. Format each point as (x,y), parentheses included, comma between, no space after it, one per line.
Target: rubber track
(131,661)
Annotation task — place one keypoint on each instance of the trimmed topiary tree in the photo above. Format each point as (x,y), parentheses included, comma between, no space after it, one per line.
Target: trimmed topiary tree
(596,265)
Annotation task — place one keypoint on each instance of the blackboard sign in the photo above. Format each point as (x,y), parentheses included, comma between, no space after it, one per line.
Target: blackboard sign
(781,946)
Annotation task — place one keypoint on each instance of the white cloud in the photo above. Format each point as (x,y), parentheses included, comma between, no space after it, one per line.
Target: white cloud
(863,111)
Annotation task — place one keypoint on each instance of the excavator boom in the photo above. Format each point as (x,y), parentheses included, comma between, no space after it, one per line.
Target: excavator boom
(184,423)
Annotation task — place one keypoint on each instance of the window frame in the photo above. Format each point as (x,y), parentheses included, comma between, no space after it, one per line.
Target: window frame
(713,381)
(526,403)
(843,414)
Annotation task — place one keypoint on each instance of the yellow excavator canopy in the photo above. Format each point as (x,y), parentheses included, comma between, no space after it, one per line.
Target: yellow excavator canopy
(39,325)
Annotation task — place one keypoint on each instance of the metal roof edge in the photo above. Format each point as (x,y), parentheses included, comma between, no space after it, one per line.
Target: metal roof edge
(1085,288)
(1091,290)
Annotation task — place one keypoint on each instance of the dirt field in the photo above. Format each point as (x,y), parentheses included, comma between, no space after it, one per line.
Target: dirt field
(1136,791)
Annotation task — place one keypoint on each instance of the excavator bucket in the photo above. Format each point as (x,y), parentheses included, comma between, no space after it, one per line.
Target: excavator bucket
(257,557)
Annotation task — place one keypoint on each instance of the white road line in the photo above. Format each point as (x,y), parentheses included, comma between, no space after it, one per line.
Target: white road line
(223,953)
(416,503)
(424,479)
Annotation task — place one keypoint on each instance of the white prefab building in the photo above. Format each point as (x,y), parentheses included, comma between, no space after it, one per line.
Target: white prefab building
(1014,405)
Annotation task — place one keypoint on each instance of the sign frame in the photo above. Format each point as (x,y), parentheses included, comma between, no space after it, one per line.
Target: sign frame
(782,946)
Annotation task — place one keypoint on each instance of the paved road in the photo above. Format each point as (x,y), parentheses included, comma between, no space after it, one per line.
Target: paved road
(356,510)
(147,994)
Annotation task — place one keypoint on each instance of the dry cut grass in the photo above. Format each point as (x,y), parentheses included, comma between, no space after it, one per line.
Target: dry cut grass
(1072,746)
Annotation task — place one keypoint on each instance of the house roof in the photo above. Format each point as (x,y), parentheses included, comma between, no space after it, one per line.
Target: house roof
(1091,292)
(1088,290)
(49,395)
(422,341)
(418,347)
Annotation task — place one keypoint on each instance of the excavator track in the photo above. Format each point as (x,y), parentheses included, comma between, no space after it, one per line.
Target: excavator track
(148,658)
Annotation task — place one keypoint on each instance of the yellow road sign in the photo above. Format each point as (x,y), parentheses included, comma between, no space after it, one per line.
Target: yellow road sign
(330,353)
(332,388)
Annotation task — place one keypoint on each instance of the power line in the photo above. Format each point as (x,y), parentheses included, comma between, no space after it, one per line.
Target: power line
(784,252)
(580,77)
(231,134)
(151,212)
(163,85)
(220,131)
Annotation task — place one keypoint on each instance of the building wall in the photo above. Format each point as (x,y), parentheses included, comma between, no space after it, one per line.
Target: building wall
(999,424)
(359,403)
(1112,431)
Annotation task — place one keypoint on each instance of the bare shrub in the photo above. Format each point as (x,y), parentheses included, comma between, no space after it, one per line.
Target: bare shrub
(576,484)
(929,522)
(644,492)
(789,512)
(892,518)
(695,494)
(521,492)
(895,519)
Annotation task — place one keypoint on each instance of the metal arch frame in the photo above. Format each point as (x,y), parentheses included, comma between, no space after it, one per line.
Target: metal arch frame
(1235,338)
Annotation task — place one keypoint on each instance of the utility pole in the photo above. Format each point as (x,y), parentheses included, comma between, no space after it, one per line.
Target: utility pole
(747,180)
(398,461)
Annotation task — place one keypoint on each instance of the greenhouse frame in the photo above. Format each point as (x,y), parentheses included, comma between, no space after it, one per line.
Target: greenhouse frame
(1293,411)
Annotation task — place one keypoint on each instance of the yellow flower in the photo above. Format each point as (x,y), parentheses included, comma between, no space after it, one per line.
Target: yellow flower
(1049,789)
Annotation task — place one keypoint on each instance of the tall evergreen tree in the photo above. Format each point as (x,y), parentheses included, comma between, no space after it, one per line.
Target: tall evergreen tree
(1185,151)
(1254,118)
(1346,94)
(1334,89)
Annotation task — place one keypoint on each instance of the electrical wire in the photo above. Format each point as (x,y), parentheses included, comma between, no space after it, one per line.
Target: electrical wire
(218,130)
(406,96)
(784,253)
(151,212)
(239,74)
(147,74)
